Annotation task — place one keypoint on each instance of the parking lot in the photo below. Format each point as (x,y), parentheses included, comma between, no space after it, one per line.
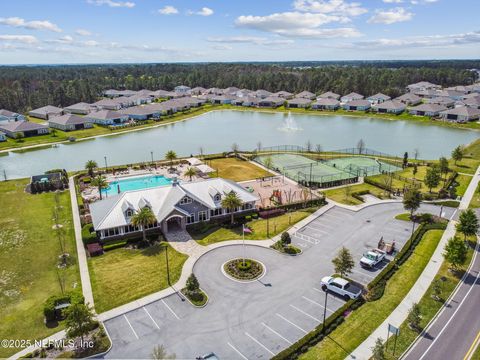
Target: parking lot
(257,320)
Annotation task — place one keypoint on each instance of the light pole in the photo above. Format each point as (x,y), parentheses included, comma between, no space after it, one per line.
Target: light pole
(324,313)
(168,268)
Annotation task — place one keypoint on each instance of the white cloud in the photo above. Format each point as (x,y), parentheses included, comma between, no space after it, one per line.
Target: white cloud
(250,40)
(90,43)
(33,25)
(440,41)
(422,2)
(26,39)
(221,47)
(83,32)
(205,11)
(338,7)
(67,39)
(112,3)
(390,16)
(168,10)
(297,24)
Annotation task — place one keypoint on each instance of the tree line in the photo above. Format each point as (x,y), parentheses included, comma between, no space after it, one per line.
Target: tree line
(23,88)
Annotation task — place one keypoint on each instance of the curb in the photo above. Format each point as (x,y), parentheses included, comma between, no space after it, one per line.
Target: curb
(243,281)
(196,306)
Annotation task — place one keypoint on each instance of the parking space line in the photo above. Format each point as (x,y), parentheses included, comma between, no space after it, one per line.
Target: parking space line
(291,323)
(131,327)
(237,351)
(363,273)
(276,333)
(318,227)
(304,313)
(259,343)
(169,308)
(316,303)
(333,297)
(151,318)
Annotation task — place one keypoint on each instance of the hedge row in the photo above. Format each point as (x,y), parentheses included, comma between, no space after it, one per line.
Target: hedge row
(73,297)
(334,320)
(358,194)
(299,205)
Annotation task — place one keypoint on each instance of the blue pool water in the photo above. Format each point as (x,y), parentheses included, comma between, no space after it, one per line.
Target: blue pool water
(136,183)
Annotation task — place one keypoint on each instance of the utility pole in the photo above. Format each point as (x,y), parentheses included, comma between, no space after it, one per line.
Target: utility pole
(324,313)
(168,268)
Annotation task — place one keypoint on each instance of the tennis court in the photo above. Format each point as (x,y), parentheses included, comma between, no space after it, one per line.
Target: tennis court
(362,166)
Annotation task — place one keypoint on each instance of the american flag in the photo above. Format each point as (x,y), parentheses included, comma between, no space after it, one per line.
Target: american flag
(247,230)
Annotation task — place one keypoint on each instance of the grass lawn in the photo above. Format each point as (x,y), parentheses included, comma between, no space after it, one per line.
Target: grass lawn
(236,169)
(470,161)
(475,203)
(277,225)
(360,324)
(123,275)
(28,256)
(403,217)
(429,306)
(340,195)
(463,181)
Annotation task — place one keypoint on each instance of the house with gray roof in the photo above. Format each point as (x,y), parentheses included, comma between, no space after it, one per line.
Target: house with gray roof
(81,108)
(378,98)
(222,99)
(231,91)
(246,101)
(473,102)
(329,95)
(175,206)
(69,122)
(107,117)
(442,100)
(141,112)
(7,115)
(283,94)
(351,97)
(326,104)
(390,107)
(431,110)
(163,94)
(423,85)
(357,105)
(198,90)
(108,104)
(460,114)
(306,95)
(46,112)
(25,128)
(262,94)
(299,102)
(182,90)
(3,136)
(409,99)
(271,101)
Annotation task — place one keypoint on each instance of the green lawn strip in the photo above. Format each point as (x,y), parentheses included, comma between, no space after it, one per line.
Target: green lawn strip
(123,275)
(236,169)
(362,322)
(476,354)
(343,196)
(428,306)
(276,225)
(463,181)
(29,253)
(475,202)
(403,217)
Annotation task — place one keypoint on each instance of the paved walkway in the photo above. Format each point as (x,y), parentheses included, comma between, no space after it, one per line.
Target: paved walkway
(81,253)
(398,316)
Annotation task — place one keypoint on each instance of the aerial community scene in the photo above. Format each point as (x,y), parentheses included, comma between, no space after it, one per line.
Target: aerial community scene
(288,179)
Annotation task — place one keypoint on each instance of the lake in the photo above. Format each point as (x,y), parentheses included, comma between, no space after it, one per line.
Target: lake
(216,131)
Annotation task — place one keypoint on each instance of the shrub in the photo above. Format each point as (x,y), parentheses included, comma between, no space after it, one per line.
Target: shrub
(73,297)
(291,250)
(88,235)
(254,216)
(286,240)
(192,283)
(266,214)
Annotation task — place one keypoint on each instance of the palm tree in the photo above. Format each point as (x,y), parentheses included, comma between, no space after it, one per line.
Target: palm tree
(171,155)
(101,183)
(143,219)
(231,201)
(90,166)
(191,172)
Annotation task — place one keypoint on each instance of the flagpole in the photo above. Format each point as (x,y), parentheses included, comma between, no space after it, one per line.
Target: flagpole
(243,241)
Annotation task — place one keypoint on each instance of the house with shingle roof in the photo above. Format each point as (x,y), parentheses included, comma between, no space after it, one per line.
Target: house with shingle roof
(378,98)
(25,128)
(326,103)
(69,122)
(461,114)
(351,97)
(473,102)
(271,101)
(7,115)
(198,90)
(81,108)
(441,100)
(107,117)
(423,85)
(262,94)
(306,95)
(329,95)
(175,206)
(283,94)
(108,104)
(299,102)
(409,99)
(140,113)
(390,107)
(431,110)
(46,112)
(357,105)
(182,89)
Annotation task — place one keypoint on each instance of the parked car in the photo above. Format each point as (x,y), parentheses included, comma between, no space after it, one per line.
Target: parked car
(342,287)
(371,258)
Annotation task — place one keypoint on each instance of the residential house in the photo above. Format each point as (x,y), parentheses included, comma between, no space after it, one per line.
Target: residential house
(409,99)
(139,99)
(423,85)
(182,90)
(3,137)
(198,90)
(262,94)
(283,94)
(306,95)
(214,91)
(243,93)
(271,101)
(108,104)
(460,114)
(441,100)
(299,103)
(231,91)
(390,107)
(222,99)
(80,108)
(46,112)
(351,97)
(69,122)
(246,101)
(107,117)
(357,105)
(25,128)
(326,104)
(427,94)
(7,115)
(473,102)
(431,110)
(175,206)
(140,113)
(329,95)
(453,94)
(378,98)
(163,94)
(461,88)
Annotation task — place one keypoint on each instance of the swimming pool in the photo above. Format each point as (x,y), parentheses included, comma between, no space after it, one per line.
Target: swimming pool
(136,183)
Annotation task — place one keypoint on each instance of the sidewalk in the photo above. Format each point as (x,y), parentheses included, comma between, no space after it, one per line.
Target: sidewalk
(398,316)
(82,256)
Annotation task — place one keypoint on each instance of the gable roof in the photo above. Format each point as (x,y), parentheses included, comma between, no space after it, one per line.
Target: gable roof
(68,119)
(432,107)
(379,96)
(305,94)
(105,115)
(21,126)
(462,110)
(47,110)
(327,101)
(329,94)
(390,105)
(79,106)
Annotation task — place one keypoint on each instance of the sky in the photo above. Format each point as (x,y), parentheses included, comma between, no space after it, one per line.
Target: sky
(126,31)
